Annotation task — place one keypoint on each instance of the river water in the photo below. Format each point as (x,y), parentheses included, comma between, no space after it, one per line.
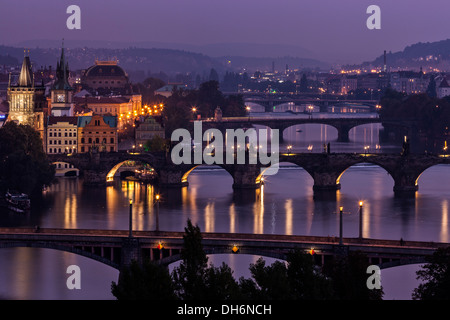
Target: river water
(284,205)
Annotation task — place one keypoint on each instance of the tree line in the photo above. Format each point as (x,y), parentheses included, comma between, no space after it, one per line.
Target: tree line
(344,278)
(196,279)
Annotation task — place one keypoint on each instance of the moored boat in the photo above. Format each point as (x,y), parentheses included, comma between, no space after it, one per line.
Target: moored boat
(18,202)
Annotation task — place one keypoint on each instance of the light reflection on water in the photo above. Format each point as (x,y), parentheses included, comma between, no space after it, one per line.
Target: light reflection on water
(285,205)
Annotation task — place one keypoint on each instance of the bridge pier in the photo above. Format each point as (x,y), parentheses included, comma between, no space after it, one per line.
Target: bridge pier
(94,177)
(405,190)
(173,176)
(343,134)
(326,181)
(131,251)
(246,177)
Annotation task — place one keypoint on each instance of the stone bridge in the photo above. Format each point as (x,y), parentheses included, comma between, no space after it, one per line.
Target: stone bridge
(116,248)
(326,169)
(342,125)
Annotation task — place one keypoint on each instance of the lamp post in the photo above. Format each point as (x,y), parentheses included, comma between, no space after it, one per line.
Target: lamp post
(341,209)
(360,219)
(157,212)
(130,225)
(289,149)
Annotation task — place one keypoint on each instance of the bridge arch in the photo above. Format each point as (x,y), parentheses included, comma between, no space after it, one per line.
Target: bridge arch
(65,169)
(93,254)
(428,167)
(302,129)
(112,172)
(255,107)
(362,162)
(261,179)
(185,176)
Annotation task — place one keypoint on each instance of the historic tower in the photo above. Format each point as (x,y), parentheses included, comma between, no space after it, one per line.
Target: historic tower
(61,92)
(26,101)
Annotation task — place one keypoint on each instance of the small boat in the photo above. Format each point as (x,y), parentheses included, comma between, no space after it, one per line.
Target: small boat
(18,202)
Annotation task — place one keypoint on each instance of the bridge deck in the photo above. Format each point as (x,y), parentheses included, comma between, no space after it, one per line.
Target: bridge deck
(8,233)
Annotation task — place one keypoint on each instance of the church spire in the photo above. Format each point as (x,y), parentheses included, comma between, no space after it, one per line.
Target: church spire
(26,77)
(62,72)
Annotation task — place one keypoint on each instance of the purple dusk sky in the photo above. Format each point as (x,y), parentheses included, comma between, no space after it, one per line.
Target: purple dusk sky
(325,27)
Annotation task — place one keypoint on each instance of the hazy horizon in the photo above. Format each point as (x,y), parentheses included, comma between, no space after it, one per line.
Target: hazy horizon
(331,31)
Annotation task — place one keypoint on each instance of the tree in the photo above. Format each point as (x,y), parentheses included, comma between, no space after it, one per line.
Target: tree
(303,83)
(213,75)
(177,112)
(194,279)
(155,144)
(148,281)
(349,277)
(436,277)
(431,90)
(297,279)
(24,166)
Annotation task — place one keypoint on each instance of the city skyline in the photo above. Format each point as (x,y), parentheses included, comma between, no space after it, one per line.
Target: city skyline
(336,31)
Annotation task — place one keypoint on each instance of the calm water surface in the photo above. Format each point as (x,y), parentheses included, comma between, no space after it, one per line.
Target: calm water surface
(284,205)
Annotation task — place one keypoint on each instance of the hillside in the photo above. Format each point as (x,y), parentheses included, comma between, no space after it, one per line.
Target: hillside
(141,62)
(426,55)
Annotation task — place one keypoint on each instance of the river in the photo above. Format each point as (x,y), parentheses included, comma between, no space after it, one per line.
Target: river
(284,205)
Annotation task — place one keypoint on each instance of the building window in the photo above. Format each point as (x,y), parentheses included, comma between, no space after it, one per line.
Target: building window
(90,140)
(82,140)
(112,140)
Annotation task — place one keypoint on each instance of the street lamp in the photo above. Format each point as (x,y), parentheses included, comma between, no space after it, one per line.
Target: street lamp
(289,147)
(157,211)
(360,219)
(130,234)
(341,209)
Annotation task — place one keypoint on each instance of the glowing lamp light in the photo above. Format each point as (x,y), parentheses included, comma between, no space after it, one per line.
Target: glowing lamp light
(157,197)
(160,246)
(361,203)
(131,201)
(312,252)
(235,249)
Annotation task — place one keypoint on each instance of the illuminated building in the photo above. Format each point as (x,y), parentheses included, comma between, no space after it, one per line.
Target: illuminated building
(105,76)
(62,134)
(26,100)
(97,133)
(147,129)
(61,99)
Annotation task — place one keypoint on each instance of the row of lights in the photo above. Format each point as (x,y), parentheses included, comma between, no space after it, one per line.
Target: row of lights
(235,248)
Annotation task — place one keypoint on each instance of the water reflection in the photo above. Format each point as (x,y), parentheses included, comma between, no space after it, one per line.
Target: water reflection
(286,204)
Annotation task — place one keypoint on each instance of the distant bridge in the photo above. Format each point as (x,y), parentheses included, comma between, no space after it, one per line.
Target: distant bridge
(270,101)
(116,249)
(343,124)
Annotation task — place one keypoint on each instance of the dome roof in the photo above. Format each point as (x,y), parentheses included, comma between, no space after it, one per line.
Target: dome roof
(105,69)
